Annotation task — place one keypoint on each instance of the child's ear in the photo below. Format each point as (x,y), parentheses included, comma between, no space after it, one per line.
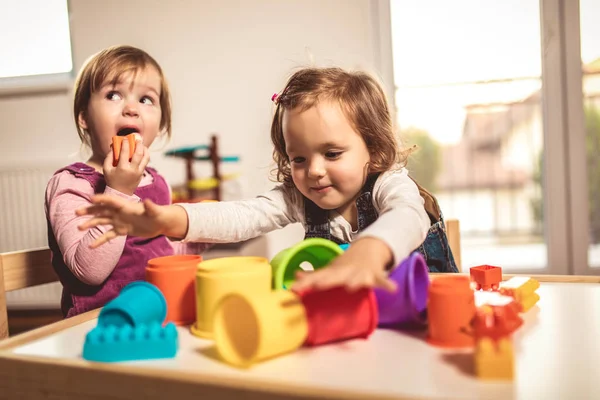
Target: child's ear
(81,121)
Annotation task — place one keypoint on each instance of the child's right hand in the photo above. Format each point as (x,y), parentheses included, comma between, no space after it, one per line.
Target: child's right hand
(145,219)
(126,176)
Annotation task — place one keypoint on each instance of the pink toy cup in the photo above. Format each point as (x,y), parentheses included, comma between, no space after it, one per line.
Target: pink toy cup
(336,314)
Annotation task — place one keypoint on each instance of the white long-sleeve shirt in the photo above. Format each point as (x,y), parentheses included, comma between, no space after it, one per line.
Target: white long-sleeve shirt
(402,223)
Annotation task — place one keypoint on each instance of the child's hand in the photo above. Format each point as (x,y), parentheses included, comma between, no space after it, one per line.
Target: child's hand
(126,176)
(145,219)
(362,265)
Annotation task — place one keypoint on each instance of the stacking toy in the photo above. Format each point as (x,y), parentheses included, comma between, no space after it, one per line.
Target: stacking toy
(126,343)
(408,304)
(486,277)
(337,314)
(117,141)
(450,309)
(248,329)
(175,276)
(138,303)
(130,327)
(250,276)
(317,251)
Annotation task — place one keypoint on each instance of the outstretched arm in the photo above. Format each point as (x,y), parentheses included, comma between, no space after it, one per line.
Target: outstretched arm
(145,219)
(200,222)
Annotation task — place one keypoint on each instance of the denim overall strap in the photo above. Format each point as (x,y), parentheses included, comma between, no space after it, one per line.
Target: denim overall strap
(435,248)
(317,219)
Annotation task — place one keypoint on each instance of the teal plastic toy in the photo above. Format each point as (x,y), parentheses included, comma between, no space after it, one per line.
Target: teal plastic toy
(317,251)
(138,303)
(127,343)
(130,327)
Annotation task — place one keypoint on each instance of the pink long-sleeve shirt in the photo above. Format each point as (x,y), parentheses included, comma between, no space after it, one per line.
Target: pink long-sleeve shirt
(65,193)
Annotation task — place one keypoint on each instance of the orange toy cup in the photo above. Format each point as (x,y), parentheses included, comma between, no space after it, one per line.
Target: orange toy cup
(450,309)
(117,141)
(175,277)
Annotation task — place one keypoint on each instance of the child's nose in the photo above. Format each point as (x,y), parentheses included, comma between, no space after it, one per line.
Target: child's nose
(131,110)
(316,170)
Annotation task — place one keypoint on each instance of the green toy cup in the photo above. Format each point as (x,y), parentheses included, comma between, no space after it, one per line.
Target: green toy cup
(317,251)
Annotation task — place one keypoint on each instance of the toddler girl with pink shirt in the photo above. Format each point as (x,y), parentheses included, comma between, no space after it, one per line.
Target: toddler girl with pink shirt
(120,90)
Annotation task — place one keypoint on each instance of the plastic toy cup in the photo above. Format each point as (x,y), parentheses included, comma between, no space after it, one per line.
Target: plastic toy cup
(117,141)
(175,276)
(248,329)
(250,276)
(138,303)
(450,309)
(336,314)
(408,304)
(317,251)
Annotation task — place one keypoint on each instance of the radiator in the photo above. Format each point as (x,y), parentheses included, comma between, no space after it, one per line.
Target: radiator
(23,227)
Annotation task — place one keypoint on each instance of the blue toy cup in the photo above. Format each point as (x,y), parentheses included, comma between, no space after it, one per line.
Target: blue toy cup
(138,303)
(407,306)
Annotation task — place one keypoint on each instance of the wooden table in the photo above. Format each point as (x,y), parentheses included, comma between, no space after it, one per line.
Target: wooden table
(557,353)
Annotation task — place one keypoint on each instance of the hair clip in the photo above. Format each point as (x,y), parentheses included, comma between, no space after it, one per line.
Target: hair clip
(275,98)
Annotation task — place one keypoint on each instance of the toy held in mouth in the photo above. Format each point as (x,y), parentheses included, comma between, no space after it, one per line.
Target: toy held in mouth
(132,136)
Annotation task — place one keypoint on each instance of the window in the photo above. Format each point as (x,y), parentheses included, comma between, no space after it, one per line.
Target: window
(509,131)
(35,43)
(468,76)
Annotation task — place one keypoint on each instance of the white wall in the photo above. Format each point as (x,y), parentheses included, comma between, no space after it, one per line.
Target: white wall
(224,59)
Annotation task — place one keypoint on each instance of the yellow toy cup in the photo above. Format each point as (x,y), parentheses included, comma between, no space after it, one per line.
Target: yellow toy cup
(218,277)
(248,329)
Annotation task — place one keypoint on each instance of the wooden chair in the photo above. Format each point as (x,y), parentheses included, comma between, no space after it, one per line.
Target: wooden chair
(22,269)
(453,234)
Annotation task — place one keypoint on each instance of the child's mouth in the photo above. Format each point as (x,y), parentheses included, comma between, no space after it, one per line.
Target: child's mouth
(321,189)
(126,131)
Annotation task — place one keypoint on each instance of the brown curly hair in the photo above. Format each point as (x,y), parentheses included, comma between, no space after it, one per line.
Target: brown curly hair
(363,101)
(109,65)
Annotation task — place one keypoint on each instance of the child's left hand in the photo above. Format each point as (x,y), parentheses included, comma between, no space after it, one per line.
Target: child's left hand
(362,265)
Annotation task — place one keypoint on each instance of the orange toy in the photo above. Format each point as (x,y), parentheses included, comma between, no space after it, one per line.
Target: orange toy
(117,141)
(487,277)
(496,322)
(175,276)
(451,307)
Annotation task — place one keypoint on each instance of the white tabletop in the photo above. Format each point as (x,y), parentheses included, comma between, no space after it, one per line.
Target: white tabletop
(557,353)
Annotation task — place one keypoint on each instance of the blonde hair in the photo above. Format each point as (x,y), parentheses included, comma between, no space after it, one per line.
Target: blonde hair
(363,101)
(109,65)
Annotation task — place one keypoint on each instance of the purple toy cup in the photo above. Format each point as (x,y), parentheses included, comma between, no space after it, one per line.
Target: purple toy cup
(406,306)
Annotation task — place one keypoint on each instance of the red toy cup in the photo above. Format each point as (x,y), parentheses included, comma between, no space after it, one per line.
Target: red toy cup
(336,314)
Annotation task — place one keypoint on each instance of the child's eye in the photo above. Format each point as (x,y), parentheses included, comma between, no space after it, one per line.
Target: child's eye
(112,95)
(147,100)
(298,160)
(333,154)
